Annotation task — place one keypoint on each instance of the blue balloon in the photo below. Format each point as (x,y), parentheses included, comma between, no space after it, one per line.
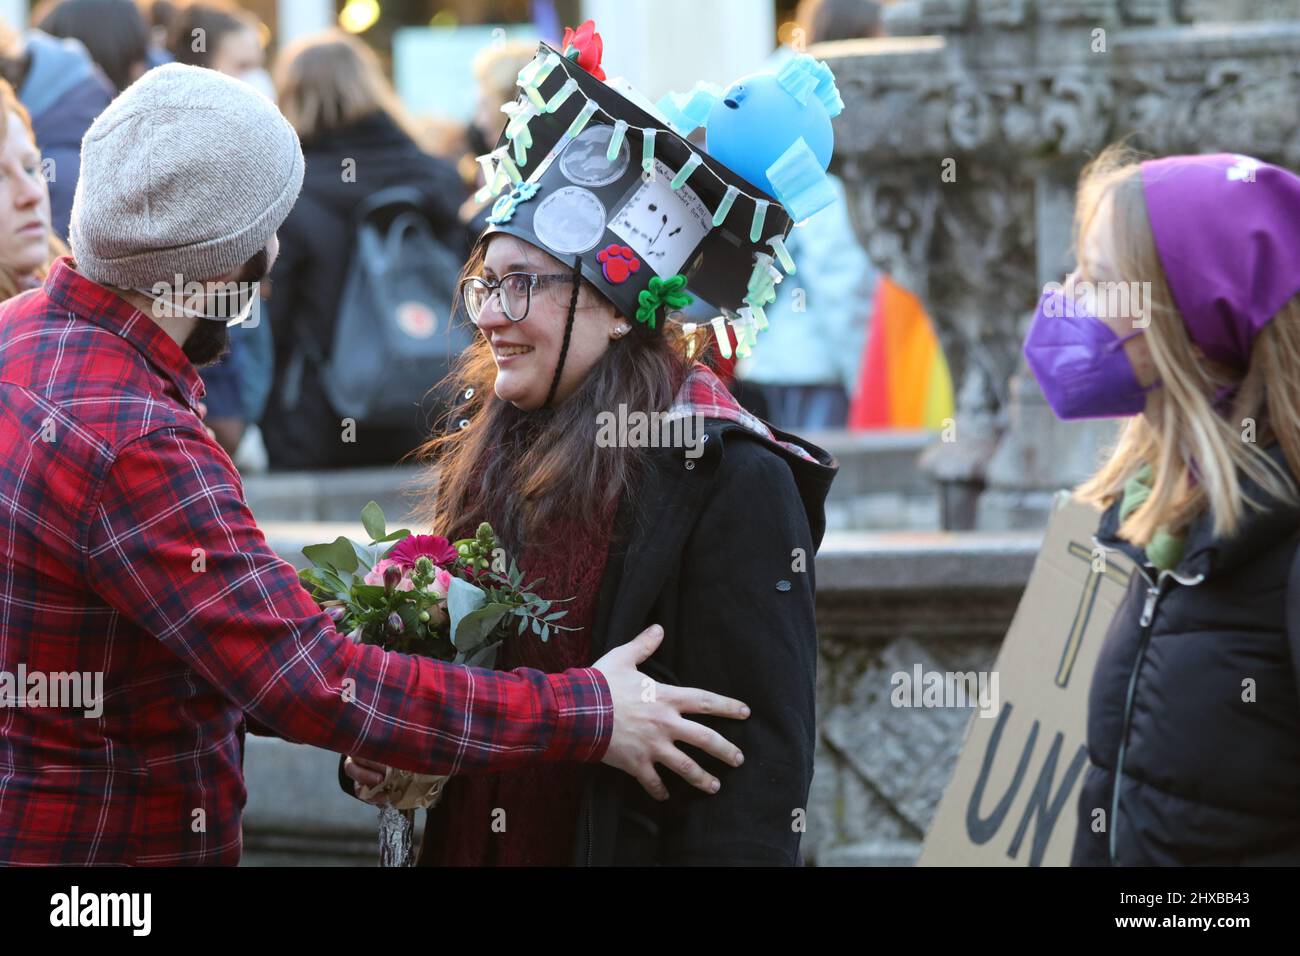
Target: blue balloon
(757,120)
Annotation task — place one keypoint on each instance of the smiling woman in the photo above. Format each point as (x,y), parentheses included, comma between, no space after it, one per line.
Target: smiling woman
(575,290)
(27,244)
(519,363)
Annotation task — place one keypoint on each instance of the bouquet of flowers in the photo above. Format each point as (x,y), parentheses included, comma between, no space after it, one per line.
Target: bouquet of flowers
(455,601)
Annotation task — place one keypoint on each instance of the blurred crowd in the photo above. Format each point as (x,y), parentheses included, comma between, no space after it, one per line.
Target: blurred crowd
(372,166)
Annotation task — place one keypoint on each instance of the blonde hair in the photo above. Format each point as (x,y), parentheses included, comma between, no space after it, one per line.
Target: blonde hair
(1196,454)
(332,79)
(11,282)
(496,69)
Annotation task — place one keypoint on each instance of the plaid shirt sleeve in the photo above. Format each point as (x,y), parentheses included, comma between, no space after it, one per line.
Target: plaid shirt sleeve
(173,547)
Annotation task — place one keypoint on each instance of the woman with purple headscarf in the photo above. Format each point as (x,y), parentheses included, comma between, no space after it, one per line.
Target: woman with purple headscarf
(1183,316)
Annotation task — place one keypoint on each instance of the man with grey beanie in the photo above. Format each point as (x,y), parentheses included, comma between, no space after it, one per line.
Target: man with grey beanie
(143,616)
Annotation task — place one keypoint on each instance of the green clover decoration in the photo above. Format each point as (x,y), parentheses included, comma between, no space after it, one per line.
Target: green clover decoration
(670,292)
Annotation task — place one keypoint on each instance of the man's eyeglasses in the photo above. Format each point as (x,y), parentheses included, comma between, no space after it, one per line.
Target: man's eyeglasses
(514,292)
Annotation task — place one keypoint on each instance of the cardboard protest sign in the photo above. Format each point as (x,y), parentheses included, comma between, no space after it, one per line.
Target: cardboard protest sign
(1012,799)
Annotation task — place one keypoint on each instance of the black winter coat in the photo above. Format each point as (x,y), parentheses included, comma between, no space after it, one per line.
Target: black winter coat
(720,553)
(1185,767)
(316,245)
(707,552)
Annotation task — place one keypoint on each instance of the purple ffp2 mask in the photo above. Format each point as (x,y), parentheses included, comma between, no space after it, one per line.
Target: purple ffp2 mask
(1080,362)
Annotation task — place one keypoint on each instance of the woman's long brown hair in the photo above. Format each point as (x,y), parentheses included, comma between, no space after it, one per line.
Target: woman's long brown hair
(524,471)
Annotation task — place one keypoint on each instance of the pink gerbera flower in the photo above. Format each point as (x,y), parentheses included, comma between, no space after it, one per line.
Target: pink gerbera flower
(435,547)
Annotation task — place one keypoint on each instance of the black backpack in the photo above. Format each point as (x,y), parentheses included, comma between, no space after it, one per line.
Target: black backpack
(393,335)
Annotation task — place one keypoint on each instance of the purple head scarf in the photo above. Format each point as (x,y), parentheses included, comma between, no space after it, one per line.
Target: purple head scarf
(1227,230)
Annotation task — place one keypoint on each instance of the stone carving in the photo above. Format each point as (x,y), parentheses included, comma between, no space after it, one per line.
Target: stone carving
(959,147)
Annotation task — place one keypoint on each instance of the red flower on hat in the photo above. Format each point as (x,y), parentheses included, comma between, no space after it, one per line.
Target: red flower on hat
(586,43)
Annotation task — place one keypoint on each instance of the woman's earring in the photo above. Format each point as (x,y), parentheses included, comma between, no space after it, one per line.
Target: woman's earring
(620,331)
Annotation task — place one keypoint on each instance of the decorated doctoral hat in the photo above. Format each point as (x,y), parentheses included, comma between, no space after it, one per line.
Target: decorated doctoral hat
(606,181)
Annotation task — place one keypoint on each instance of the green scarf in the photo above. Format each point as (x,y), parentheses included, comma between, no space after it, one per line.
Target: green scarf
(1165,549)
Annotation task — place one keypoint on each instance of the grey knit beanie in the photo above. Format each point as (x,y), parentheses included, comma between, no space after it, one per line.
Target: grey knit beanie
(188,172)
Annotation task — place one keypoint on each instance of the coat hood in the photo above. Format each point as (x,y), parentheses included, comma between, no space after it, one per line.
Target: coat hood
(58,66)
(704,394)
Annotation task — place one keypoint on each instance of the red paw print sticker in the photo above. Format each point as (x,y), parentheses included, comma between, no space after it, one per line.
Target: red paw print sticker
(618,263)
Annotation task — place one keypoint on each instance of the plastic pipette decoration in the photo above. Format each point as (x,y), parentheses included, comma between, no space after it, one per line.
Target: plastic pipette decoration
(592,171)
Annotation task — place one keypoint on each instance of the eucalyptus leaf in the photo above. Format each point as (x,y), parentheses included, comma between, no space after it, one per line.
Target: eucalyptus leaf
(485,656)
(334,583)
(311,580)
(337,555)
(370,593)
(365,555)
(476,626)
(462,599)
(372,518)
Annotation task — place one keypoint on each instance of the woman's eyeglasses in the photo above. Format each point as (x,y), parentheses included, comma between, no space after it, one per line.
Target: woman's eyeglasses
(514,292)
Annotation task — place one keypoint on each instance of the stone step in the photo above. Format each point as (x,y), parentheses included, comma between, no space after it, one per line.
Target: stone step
(869,584)
(847,560)
(878,486)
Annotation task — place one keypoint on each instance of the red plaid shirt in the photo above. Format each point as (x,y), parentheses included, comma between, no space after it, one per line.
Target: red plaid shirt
(126,549)
(704,394)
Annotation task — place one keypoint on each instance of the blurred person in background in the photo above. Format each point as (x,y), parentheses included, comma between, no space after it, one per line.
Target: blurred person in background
(27,244)
(357,141)
(495,69)
(803,374)
(221,36)
(63,90)
(902,380)
(158,15)
(112,31)
(823,20)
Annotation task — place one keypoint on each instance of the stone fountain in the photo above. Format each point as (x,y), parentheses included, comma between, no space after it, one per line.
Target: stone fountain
(962,139)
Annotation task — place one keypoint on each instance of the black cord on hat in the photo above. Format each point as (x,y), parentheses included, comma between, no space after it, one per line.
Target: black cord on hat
(568,329)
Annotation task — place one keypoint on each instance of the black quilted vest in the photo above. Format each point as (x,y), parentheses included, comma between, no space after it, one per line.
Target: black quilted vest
(1193,713)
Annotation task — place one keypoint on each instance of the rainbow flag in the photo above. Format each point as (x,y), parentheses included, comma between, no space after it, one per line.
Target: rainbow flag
(904,381)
